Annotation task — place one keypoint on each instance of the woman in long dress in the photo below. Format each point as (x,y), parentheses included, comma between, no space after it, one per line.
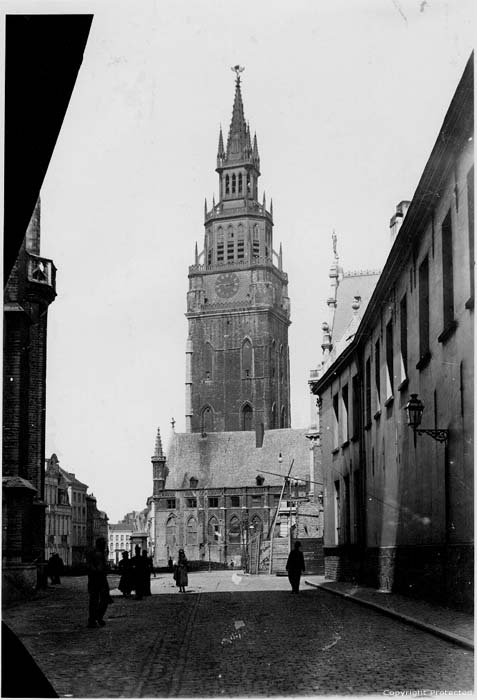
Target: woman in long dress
(180,572)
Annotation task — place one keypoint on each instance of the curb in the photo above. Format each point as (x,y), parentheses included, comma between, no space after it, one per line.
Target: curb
(432,629)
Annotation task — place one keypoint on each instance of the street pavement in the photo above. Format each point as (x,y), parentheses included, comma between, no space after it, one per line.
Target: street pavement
(231,635)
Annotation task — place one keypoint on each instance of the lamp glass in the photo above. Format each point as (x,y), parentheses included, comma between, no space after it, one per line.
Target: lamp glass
(414,409)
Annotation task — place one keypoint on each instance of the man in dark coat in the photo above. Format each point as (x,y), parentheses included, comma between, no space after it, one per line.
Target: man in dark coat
(98,587)
(295,567)
(139,569)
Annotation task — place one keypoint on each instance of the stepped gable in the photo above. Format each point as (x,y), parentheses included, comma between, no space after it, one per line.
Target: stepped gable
(232,460)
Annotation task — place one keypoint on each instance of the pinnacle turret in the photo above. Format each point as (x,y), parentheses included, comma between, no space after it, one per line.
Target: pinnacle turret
(158,452)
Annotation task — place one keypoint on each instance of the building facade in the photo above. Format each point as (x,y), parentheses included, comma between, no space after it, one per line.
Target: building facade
(119,540)
(29,290)
(399,504)
(58,526)
(223,492)
(96,522)
(238,309)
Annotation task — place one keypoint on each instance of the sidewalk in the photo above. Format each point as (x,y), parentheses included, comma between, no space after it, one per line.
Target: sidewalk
(453,625)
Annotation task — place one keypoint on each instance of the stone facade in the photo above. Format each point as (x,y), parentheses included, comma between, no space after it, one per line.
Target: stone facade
(399,506)
(237,305)
(58,526)
(29,291)
(218,495)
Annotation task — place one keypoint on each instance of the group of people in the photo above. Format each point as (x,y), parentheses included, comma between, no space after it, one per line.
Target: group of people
(135,574)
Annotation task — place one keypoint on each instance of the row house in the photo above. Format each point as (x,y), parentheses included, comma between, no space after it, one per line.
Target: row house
(58,526)
(399,493)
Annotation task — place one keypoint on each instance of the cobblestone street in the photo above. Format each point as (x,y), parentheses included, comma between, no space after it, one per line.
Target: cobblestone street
(230,635)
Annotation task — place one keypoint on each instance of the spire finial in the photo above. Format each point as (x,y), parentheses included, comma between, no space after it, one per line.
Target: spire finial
(173,422)
(237,70)
(334,238)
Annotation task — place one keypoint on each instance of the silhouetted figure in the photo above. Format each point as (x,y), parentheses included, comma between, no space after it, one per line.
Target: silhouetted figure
(180,572)
(55,568)
(139,569)
(147,570)
(295,567)
(126,582)
(98,587)
(170,564)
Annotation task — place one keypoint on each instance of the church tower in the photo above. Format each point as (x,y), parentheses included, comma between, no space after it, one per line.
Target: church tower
(238,310)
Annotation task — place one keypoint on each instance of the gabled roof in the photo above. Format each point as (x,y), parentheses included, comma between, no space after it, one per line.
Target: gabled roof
(72,481)
(232,460)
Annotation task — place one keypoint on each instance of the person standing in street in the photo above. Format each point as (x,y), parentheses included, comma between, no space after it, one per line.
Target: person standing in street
(98,587)
(55,568)
(295,567)
(180,572)
(139,569)
(126,580)
(147,570)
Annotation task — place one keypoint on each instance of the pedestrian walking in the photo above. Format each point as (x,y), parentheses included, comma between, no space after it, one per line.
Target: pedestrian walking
(126,582)
(98,587)
(55,568)
(295,567)
(180,572)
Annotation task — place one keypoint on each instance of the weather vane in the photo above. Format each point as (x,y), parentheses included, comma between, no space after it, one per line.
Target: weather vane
(237,70)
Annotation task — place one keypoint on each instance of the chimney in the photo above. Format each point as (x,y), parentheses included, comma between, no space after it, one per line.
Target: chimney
(396,221)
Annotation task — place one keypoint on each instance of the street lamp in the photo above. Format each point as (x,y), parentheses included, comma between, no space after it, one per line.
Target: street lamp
(414,410)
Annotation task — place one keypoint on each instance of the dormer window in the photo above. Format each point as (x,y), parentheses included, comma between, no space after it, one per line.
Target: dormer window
(193,482)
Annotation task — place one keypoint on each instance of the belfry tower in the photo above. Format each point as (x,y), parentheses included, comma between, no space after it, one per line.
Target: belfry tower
(237,361)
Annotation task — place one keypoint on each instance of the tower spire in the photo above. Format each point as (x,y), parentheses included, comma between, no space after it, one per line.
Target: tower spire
(237,139)
(158,451)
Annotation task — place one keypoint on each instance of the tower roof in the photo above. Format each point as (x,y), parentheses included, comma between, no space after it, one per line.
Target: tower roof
(239,145)
(158,452)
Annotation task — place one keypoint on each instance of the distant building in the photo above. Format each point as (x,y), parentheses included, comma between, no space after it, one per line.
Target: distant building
(96,522)
(399,504)
(218,495)
(58,527)
(119,540)
(77,497)
(29,290)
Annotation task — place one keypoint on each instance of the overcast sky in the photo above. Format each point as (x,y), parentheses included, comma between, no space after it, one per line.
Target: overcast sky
(346,98)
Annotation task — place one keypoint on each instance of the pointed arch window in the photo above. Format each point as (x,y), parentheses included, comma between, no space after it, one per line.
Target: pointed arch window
(220,244)
(240,243)
(274,415)
(247,359)
(230,243)
(213,531)
(273,351)
(247,417)
(234,530)
(249,188)
(191,532)
(256,241)
(208,361)
(257,524)
(234,182)
(240,183)
(171,527)
(207,420)
(227,184)
(283,417)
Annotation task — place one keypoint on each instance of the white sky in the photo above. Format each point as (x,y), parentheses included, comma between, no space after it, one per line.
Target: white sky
(346,98)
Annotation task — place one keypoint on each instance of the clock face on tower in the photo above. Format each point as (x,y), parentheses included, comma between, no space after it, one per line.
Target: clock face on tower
(227,284)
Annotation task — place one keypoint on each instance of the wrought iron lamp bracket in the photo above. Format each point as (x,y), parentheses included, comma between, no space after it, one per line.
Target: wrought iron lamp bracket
(439,434)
